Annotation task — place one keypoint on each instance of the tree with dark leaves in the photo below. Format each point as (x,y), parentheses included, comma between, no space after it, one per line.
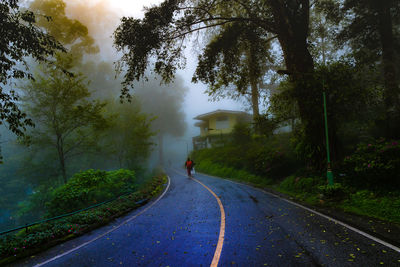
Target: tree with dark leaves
(372,30)
(68,122)
(158,39)
(237,56)
(20,38)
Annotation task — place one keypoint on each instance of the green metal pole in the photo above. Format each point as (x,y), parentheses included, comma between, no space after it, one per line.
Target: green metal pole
(329,174)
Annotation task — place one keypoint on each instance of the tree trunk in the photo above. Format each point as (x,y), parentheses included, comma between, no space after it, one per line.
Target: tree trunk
(254,98)
(392,94)
(61,157)
(292,25)
(253,77)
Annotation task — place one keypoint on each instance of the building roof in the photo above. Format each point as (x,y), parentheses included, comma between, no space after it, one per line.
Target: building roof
(200,123)
(206,116)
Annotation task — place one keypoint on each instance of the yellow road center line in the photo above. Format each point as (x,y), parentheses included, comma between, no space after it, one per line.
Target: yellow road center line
(221,237)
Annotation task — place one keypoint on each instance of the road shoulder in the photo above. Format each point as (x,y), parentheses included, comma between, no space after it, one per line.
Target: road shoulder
(386,231)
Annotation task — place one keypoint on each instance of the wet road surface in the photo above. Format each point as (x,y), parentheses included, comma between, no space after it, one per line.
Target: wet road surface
(183,227)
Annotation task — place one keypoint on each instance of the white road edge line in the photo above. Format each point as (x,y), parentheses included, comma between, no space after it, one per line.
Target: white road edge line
(318,213)
(109,231)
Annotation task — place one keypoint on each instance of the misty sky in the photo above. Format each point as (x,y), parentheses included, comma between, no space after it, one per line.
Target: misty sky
(102,17)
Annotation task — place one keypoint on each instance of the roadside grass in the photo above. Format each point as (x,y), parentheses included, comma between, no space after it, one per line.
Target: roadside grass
(208,167)
(301,188)
(367,203)
(43,236)
(314,191)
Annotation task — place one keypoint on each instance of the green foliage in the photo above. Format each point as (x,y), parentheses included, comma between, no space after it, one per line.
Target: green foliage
(360,26)
(271,161)
(71,33)
(265,125)
(371,30)
(66,120)
(241,134)
(33,206)
(234,61)
(297,184)
(365,202)
(374,165)
(90,187)
(283,105)
(20,38)
(128,141)
(348,108)
(335,191)
(42,236)
(314,191)
(265,157)
(209,167)
(142,39)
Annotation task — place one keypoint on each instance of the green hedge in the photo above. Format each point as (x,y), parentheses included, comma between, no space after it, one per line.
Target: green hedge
(90,187)
(270,157)
(39,237)
(374,166)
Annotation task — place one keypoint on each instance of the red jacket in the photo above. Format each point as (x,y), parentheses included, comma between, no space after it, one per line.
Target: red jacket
(189,164)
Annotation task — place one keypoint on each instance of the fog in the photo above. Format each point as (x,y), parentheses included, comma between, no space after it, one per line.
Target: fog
(170,108)
(102,17)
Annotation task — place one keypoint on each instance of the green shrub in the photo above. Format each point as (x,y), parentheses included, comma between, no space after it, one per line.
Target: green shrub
(367,203)
(88,188)
(270,157)
(288,184)
(374,165)
(297,184)
(333,192)
(23,243)
(211,168)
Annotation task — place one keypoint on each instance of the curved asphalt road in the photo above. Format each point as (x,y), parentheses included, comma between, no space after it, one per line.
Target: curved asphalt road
(183,228)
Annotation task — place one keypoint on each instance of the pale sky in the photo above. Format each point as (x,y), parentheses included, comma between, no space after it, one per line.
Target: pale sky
(104,16)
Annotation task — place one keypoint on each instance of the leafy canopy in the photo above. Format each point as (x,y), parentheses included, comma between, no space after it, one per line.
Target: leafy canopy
(161,34)
(66,119)
(20,38)
(234,55)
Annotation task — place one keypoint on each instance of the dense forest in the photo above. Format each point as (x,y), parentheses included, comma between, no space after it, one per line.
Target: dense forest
(61,111)
(325,72)
(62,115)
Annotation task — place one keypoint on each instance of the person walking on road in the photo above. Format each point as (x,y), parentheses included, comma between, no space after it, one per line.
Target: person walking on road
(189,166)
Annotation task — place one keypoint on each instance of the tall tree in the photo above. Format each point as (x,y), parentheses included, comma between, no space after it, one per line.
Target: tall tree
(129,137)
(71,33)
(65,119)
(236,56)
(161,33)
(323,32)
(20,38)
(371,29)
